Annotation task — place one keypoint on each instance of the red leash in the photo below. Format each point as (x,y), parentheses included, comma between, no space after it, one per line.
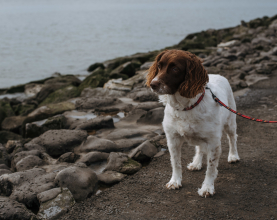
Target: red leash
(237,113)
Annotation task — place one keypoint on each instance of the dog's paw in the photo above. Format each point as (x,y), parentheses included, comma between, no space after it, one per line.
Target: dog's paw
(172,184)
(233,158)
(192,166)
(206,191)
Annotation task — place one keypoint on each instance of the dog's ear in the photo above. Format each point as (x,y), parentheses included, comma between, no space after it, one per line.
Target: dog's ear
(153,70)
(196,77)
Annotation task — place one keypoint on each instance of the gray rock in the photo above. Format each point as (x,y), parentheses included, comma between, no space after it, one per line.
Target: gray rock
(111,177)
(98,144)
(5,136)
(37,128)
(133,116)
(29,146)
(58,142)
(101,92)
(149,105)
(93,157)
(92,103)
(13,123)
(119,107)
(54,203)
(120,162)
(13,210)
(146,65)
(4,171)
(143,152)
(21,155)
(24,186)
(29,162)
(154,116)
(81,181)
(48,195)
(126,68)
(96,123)
(33,89)
(68,157)
(48,111)
(144,96)
(122,133)
(128,144)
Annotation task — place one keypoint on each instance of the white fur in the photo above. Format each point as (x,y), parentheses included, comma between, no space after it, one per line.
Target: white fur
(202,127)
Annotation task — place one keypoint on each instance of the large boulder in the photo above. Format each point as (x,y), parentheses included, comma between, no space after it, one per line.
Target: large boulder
(96,123)
(126,68)
(5,136)
(128,144)
(144,96)
(122,133)
(58,142)
(13,210)
(33,155)
(29,162)
(24,186)
(13,123)
(96,79)
(98,144)
(35,129)
(101,92)
(149,105)
(61,95)
(121,163)
(80,180)
(48,111)
(54,203)
(143,152)
(93,157)
(92,103)
(154,116)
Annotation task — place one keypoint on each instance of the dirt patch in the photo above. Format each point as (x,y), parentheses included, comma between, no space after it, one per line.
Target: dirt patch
(245,190)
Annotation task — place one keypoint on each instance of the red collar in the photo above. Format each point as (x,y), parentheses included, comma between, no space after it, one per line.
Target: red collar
(196,103)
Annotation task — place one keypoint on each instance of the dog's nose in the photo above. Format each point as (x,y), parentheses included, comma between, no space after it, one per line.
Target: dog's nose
(155,84)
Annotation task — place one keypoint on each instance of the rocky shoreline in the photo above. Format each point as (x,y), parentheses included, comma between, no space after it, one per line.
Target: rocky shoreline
(68,138)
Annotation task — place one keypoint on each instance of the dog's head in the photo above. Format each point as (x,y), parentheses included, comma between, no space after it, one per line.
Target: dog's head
(177,70)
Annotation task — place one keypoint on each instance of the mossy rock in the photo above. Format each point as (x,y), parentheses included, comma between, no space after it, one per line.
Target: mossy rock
(126,68)
(6,107)
(96,79)
(16,89)
(56,207)
(189,44)
(142,57)
(5,136)
(23,109)
(95,66)
(66,79)
(130,166)
(61,95)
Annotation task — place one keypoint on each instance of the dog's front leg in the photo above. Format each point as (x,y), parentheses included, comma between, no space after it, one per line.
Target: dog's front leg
(174,143)
(213,156)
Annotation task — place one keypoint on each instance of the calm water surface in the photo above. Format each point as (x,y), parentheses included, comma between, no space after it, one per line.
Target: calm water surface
(38,38)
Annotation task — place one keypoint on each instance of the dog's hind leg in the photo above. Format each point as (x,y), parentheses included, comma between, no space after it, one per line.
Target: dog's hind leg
(174,143)
(207,188)
(196,164)
(230,130)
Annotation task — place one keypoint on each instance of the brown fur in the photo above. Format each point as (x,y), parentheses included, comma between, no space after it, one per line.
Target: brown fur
(195,78)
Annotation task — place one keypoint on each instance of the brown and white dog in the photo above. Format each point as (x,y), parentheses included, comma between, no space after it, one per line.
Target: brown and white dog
(179,78)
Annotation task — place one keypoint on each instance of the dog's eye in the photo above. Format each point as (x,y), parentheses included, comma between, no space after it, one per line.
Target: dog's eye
(159,66)
(175,69)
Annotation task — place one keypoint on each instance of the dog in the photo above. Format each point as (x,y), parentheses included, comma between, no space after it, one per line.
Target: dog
(192,115)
